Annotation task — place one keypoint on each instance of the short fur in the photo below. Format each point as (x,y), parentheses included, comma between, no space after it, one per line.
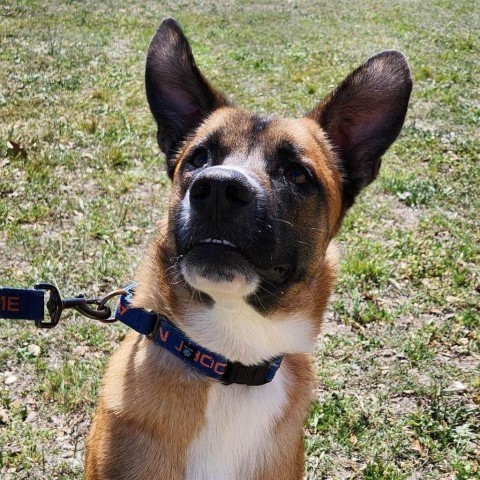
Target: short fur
(274,191)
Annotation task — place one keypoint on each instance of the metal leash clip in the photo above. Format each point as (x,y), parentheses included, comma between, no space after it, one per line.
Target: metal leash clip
(56,305)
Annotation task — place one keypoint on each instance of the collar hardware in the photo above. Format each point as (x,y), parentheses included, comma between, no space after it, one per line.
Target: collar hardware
(252,375)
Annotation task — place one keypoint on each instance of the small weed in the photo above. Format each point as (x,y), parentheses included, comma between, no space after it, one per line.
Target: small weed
(338,417)
(115,157)
(468,470)
(364,266)
(470,318)
(67,385)
(100,95)
(411,191)
(439,426)
(379,471)
(423,73)
(369,342)
(90,125)
(361,310)
(417,349)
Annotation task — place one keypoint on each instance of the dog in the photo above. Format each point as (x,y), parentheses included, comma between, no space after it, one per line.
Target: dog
(242,270)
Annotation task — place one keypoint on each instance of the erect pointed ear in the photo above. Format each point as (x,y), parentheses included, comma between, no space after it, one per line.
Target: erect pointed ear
(364,115)
(178,94)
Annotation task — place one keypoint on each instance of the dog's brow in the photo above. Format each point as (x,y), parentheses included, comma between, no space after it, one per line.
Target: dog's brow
(212,139)
(286,150)
(260,124)
(289,147)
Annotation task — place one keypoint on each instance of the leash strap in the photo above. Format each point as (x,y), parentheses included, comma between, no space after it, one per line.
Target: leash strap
(163,333)
(22,304)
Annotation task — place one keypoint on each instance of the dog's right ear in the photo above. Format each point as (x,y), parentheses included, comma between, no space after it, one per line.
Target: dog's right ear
(179,96)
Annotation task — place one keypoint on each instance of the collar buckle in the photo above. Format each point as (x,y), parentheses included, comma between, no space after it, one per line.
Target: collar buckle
(253,375)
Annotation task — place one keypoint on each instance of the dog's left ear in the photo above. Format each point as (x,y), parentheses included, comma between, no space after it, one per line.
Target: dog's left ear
(364,116)
(179,96)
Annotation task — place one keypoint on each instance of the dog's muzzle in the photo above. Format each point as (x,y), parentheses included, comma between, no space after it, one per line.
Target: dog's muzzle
(222,228)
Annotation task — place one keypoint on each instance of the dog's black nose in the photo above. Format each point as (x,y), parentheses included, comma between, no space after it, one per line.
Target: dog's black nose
(220,192)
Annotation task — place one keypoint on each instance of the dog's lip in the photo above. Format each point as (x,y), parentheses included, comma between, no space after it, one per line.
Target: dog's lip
(218,245)
(214,243)
(218,241)
(277,274)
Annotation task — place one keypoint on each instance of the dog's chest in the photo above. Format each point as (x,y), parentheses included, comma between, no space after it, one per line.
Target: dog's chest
(237,434)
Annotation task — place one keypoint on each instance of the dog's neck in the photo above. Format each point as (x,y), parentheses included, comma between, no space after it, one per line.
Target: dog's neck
(234,329)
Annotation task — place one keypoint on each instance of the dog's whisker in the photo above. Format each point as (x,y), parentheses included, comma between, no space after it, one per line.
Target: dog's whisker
(261,287)
(260,303)
(283,221)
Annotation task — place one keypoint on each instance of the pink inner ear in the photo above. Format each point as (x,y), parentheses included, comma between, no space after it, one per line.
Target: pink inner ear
(361,126)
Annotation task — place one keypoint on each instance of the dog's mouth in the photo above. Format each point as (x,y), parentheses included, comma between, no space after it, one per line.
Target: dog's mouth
(216,256)
(222,260)
(217,252)
(219,243)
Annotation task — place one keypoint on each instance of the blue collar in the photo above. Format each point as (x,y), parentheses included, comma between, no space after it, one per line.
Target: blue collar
(163,333)
(27,304)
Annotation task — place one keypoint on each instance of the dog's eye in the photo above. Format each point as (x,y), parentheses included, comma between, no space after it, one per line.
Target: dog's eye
(200,158)
(297,175)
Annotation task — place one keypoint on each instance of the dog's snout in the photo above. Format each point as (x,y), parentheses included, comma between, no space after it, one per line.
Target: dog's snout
(220,192)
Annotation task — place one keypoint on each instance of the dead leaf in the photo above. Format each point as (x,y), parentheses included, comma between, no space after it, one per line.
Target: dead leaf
(10,379)
(34,350)
(457,387)
(32,415)
(452,299)
(4,416)
(415,444)
(16,149)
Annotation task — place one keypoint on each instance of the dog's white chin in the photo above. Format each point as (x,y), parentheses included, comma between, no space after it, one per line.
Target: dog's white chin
(239,286)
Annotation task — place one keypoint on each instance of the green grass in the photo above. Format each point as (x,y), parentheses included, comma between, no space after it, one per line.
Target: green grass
(82,186)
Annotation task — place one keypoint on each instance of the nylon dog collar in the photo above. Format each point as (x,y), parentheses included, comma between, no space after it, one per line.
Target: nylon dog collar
(165,334)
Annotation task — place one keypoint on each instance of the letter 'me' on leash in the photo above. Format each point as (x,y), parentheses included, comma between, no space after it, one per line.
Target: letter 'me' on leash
(238,278)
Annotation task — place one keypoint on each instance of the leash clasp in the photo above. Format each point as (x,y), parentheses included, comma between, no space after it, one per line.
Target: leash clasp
(56,305)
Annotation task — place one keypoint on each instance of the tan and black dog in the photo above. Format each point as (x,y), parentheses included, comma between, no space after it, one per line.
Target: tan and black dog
(244,267)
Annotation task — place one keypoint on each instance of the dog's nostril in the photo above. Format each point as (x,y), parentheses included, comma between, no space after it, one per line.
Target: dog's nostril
(200,190)
(238,194)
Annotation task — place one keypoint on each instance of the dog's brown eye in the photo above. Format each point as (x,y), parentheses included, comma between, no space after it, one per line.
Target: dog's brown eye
(200,158)
(297,175)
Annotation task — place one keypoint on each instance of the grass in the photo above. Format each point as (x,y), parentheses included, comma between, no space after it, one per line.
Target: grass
(82,185)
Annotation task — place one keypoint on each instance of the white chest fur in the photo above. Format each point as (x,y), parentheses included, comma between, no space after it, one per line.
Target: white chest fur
(232,328)
(237,435)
